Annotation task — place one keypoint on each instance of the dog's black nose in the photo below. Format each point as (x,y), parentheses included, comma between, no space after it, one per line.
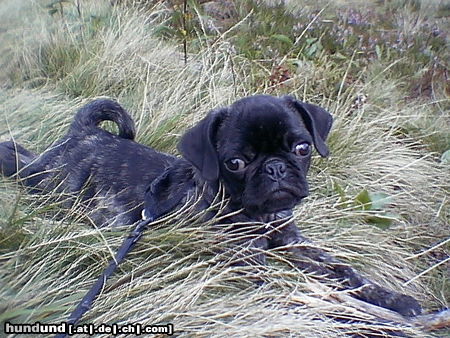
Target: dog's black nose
(276,169)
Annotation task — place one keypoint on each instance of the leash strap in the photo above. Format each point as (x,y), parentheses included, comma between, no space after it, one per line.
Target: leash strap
(92,294)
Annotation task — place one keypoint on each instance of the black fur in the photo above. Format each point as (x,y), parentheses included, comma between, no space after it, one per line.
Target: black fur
(112,171)
(261,133)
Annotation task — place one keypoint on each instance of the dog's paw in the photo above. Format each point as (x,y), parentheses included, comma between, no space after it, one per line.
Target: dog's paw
(405,305)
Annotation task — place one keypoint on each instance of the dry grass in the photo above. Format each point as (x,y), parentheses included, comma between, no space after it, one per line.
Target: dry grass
(50,256)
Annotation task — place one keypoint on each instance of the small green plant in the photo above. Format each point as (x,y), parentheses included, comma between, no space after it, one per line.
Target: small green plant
(376,202)
(445,158)
(371,204)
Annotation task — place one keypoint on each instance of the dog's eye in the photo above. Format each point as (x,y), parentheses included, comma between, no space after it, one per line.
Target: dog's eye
(302,149)
(235,164)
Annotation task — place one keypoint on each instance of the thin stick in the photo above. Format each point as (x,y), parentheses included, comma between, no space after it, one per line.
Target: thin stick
(427,270)
(429,322)
(185,32)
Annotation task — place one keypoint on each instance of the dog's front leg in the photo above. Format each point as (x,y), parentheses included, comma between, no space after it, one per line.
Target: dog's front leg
(249,252)
(312,259)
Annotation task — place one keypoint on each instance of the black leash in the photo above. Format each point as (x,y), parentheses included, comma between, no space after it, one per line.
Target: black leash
(89,298)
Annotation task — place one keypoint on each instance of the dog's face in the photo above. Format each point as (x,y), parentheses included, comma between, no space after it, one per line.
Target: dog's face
(260,149)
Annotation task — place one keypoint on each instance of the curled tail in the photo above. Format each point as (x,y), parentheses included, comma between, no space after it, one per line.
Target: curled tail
(93,113)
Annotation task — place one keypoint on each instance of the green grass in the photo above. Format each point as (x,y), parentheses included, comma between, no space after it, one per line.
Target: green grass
(391,109)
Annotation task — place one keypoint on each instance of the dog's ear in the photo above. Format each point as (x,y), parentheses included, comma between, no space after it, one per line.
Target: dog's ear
(167,191)
(317,120)
(198,145)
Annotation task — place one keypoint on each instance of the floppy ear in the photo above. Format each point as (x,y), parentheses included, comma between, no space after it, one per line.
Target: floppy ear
(317,120)
(197,145)
(166,192)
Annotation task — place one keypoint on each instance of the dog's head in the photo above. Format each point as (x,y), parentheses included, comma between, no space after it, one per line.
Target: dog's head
(260,149)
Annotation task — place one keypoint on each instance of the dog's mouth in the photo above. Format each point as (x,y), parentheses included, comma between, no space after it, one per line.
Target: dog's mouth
(282,199)
(282,194)
(275,201)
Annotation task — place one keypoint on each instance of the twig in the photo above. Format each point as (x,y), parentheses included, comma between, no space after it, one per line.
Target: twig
(429,322)
(184,32)
(434,321)
(427,270)
(78,6)
(429,249)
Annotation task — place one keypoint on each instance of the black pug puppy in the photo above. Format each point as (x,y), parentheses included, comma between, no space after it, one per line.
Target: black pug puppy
(259,149)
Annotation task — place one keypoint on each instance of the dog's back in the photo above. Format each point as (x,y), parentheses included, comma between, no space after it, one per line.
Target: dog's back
(90,159)
(16,160)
